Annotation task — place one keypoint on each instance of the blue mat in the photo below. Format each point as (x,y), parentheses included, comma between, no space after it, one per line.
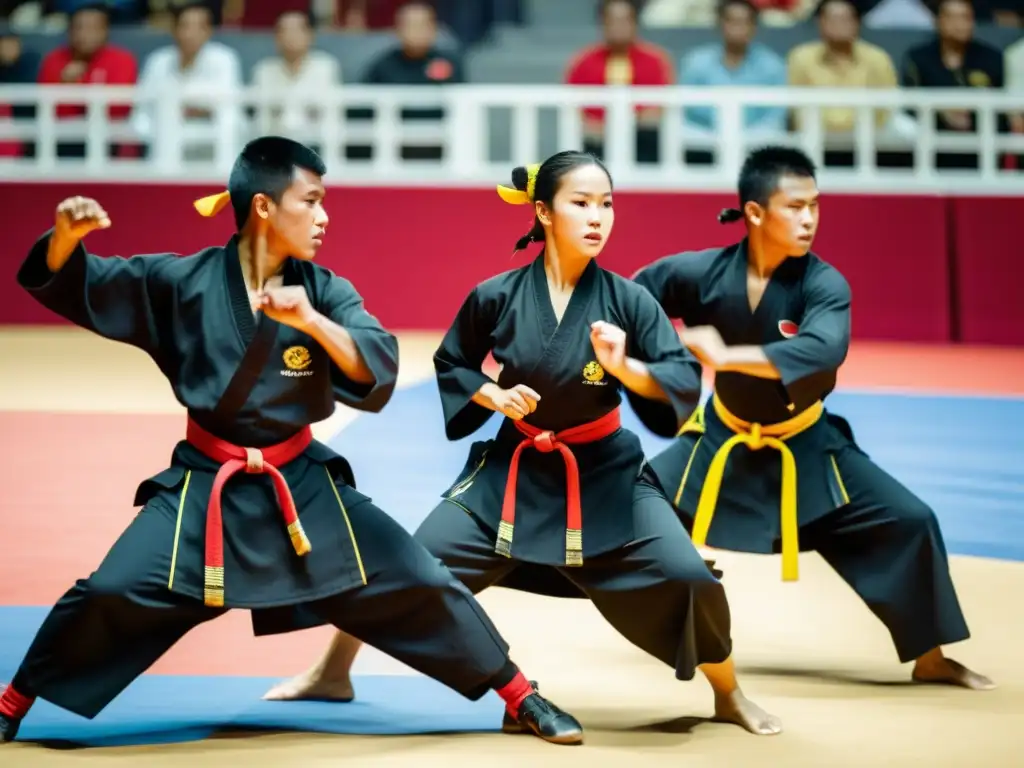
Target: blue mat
(969,474)
(962,455)
(161,709)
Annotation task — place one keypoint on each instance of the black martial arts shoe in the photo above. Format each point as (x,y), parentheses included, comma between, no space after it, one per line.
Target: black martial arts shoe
(8,728)
(543,719)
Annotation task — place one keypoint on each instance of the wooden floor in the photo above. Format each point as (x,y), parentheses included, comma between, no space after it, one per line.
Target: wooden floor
(808,651)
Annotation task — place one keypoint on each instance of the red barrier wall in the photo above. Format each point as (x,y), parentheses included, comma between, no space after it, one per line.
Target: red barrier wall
(987,260)
(415,253)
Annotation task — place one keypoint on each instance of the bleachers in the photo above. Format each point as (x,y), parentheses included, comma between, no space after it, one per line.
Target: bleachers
(517,55)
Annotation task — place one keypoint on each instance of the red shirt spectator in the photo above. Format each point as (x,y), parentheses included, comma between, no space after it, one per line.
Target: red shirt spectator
(89,59)
(621,59)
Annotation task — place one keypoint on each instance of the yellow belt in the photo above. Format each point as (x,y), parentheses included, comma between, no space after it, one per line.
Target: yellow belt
(756,436)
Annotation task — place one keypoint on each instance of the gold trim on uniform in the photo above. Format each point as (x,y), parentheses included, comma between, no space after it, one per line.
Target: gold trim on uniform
(177,529)
(348,523)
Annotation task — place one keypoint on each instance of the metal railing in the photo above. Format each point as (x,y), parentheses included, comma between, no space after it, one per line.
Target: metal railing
(486,129)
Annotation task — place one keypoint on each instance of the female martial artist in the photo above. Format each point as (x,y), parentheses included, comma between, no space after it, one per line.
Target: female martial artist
(561,501)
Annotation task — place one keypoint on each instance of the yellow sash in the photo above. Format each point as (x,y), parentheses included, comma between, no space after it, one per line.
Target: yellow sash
(755,436)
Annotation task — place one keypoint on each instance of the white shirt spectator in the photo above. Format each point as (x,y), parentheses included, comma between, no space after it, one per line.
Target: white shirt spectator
(215,69)
(317,72)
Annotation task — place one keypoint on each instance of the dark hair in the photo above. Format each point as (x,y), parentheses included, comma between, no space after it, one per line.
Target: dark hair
(855,7)
(549,178)
(760,175)
(724,5)
(266,166)
(938,6)
(407,4)
(98,7)
(602,7)
(308,16)
(181,8)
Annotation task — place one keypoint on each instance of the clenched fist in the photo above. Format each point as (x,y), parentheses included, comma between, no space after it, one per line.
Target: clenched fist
(78,216)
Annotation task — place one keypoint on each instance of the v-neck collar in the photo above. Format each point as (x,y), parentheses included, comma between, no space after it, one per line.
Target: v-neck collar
(578,301)
(783,273)
(246,320)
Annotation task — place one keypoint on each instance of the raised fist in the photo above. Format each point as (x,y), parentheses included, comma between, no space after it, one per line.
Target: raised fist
(78,216)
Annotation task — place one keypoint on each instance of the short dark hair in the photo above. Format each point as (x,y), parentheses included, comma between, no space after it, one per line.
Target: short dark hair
(407,4)
(547,183)
(939,5)
(602,7)
(765,167)
(179,9)
(761,173)
(820,7)
(98,7)
(266,166)
(724,5)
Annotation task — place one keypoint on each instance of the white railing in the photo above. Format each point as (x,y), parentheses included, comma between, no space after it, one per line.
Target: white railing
(535,120)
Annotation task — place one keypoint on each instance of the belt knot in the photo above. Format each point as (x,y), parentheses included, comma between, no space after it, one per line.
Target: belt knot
(545,441)
(254,461)
(755,439)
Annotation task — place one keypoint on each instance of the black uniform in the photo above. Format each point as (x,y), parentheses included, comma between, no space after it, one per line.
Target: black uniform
(882,539)
(253,382)
(638,565)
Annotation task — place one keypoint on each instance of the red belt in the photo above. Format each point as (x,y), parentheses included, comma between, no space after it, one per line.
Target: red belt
(546,441)
(233,459)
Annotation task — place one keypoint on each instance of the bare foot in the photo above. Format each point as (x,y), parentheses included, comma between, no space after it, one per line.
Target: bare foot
(949,672)
(737,709)
(310,686)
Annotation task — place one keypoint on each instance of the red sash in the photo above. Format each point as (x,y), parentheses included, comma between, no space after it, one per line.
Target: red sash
(233,459)
(547,441)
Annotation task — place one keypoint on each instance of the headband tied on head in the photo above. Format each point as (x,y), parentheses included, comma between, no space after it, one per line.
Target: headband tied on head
(519,196)
(211,205)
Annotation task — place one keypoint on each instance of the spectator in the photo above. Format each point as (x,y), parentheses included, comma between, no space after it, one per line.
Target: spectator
(417,60)
(297,70)
(954,59)
(194,66)
(16,68)
(737,60)
(88,59)
(841,60)
(621,59)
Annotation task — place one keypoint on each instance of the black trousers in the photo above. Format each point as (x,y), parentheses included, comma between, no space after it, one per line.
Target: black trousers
(657,592)
(97,640)
(887,545)
(884,542)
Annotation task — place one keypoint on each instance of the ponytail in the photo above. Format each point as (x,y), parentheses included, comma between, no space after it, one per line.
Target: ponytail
(535,235)
(730,215)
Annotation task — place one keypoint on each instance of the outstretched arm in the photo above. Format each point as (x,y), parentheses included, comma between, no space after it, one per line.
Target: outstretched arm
(122,299)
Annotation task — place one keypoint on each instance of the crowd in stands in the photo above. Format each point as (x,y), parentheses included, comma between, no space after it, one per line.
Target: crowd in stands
(953,57)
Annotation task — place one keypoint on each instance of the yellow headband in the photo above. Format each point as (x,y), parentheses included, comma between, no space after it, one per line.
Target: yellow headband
(518,196)
(212,204)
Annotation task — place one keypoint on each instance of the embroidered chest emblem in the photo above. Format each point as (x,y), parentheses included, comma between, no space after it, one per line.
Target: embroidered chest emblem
(297,360)
(593,374)
(788,329)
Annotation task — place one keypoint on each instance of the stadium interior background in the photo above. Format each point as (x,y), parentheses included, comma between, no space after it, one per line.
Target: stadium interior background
(914,110)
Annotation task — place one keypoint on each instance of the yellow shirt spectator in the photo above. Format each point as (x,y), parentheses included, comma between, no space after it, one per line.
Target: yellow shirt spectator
(865,66)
